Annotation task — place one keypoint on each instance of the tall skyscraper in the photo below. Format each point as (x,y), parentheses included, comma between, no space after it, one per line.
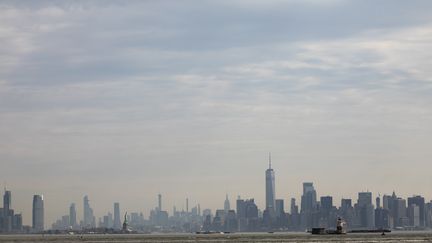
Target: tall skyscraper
(38,213)
(308,206)
(420,202)
(308,199)
(227,204)
(400,213)
(365,211)
(72,216)
(89,219)
(7,201)
(270,187)
(7,215)
(117,220)
(160,202)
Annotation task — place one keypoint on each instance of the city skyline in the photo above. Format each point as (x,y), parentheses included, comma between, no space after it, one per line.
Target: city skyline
(125,100)
(92,219)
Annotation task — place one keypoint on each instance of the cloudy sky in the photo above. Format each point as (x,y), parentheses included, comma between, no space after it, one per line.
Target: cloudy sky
(122,100)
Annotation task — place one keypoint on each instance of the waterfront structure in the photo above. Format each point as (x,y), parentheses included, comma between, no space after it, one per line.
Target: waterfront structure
(38,213)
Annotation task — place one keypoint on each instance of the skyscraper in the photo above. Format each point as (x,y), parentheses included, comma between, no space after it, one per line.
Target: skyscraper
(270,187)
(7,201)
(365,210)
(117,220)
(308,199)
(279,207)
(72,216)
(420,202)
(326,203)
(227,204)
(308,206)
(38,213)
(160,202)
(89,219)
(400,216)
(7,217)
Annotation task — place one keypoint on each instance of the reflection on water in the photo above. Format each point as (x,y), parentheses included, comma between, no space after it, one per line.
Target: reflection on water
(237,237)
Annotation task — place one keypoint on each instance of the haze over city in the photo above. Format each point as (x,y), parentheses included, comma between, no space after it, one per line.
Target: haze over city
(123,100)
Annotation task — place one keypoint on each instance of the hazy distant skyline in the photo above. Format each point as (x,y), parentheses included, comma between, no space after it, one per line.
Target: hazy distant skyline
(122,100)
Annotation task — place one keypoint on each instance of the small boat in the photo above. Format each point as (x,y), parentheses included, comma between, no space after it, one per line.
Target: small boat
(340,229)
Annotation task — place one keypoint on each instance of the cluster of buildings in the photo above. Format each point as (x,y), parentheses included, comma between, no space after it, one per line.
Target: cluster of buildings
(381,212)
(11,222)
(70,222)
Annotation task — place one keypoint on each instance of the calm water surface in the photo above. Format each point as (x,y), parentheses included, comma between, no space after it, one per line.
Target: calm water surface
(237,237)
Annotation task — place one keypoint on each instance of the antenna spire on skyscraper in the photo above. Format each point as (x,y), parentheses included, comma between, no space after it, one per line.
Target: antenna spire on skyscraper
(269,160)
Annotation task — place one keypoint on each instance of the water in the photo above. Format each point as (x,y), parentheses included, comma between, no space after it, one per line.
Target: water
(237,237)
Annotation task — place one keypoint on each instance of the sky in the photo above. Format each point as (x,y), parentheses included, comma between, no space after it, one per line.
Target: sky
(122,100)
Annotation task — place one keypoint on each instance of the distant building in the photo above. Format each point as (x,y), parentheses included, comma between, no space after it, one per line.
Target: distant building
(7,201)
(327,212)
(346,211)
(413,213)
(420,202)
(400,213)
(308,208)
(247,215)
(294,216)
(107,221)
(364,210)
(227,204)
(89,219)
(326,204)
(159,217)
(282,219)
(9,221)
(279,207)
(117,222)
(382,216)
(270,188)
(72,216)
(38,213)
(8,213)
(230,223)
